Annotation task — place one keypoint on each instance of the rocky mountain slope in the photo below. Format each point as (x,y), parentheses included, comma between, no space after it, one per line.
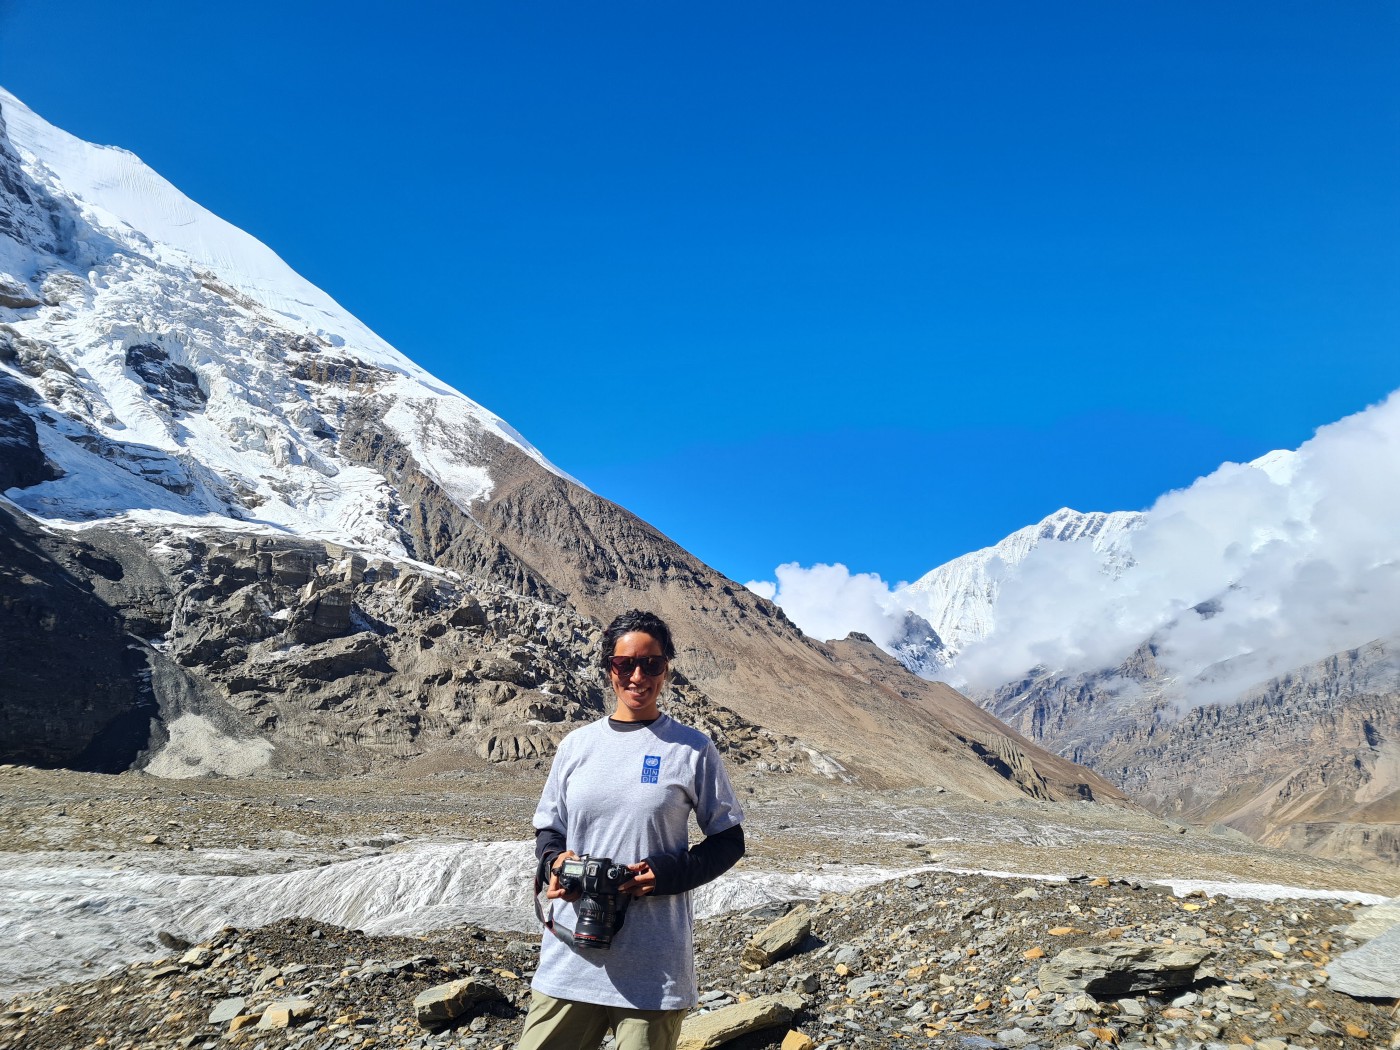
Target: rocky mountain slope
(1308,761)
(245,535)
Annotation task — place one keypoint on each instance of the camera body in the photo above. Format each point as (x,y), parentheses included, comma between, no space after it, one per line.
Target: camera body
(597,880)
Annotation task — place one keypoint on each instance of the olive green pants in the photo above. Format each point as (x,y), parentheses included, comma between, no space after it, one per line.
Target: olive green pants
(562,1024)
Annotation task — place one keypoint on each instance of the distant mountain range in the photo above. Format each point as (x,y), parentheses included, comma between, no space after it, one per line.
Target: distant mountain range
(242,535)
(1227,656)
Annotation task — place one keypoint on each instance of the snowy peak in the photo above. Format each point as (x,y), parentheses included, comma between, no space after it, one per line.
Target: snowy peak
(959,598)
(174,366)
(1252,570)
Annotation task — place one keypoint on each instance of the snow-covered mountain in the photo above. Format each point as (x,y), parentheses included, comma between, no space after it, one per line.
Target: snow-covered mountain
(286,547)
(203,375)
(1254,570)
(959,598)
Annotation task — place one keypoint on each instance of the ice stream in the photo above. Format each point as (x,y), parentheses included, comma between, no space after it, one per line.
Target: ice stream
(69,921)
(62,923)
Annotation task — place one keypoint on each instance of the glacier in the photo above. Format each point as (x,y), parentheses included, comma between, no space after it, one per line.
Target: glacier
(69,917)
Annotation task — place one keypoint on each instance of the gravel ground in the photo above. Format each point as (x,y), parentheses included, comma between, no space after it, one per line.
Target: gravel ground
(936,958)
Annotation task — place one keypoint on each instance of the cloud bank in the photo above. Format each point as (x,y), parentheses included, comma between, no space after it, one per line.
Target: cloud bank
(1250,572)
(829,601)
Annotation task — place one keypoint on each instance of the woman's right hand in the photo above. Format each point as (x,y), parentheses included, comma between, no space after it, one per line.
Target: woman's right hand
(556,891)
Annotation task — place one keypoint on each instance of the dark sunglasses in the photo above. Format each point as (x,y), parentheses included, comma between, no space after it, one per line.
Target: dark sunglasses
(623,666)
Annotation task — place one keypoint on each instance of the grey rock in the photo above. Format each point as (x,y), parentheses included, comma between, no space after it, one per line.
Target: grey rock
(445,1003)
(849,957)
(861,985)
(778,939)
(287,1012)
(706,1031)
(1373,921)
(1015,1037)
(1127,966)
(227,1009)
(806,983)
(1371,971)
(173,942)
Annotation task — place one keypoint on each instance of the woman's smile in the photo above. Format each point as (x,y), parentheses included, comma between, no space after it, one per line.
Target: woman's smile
(637,692)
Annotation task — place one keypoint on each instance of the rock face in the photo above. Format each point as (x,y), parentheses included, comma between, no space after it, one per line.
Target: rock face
(75,694)
(1309,761)
(190,655)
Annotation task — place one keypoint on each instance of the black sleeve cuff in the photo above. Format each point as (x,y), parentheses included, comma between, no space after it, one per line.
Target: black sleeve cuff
(549,843)
(706,861)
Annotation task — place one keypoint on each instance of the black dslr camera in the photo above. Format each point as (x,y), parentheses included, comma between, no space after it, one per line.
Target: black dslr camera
(597,879)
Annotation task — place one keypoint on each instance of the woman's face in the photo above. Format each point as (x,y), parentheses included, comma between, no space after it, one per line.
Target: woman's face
(637,693)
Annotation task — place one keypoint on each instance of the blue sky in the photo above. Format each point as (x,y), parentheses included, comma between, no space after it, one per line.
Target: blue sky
(874,284)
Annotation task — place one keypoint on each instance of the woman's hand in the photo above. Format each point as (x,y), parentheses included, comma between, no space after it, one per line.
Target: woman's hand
(556,891)
(642,882)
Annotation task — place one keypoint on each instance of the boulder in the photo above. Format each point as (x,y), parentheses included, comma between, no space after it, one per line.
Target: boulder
(444,1003)
(706,1031)
(1371,971)
(1373,921)
(777,940)
(1126,966)
(227,1009)
(286,1013)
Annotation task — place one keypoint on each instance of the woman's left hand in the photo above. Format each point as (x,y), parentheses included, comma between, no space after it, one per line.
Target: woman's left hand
(642,882)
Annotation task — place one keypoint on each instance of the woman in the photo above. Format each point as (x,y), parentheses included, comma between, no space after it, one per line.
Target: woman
(624,788)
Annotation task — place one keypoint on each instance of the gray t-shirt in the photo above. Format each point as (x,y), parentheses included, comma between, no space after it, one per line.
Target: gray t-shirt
(626,794)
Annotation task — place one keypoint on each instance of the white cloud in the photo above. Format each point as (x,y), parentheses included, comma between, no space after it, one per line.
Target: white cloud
(1298,561)
(1297,569)
(763,588)
(829,601)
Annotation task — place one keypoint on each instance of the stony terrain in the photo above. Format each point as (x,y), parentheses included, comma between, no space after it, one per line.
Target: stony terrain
(932,960)
(932,957)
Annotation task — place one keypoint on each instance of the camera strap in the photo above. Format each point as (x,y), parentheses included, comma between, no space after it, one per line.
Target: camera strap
(563,932)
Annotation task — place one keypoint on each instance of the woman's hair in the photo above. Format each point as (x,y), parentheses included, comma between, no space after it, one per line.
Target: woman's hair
(642,623)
